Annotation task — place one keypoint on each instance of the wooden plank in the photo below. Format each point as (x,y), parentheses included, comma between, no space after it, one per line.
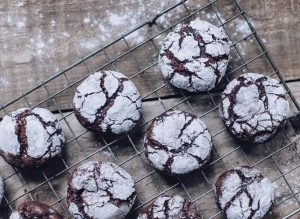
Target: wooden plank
(278,23)
(40,37)
(91,145)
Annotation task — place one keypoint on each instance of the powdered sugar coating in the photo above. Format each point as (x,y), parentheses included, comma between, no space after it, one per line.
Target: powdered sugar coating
(177,142)
(244,193)
(107,102)
(253,106)
(170,207)
(15,215)
(194,57)
(100,190)
(28,137)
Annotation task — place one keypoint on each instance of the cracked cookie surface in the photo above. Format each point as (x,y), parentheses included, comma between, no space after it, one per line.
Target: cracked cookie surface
(107,102)
(177,143)
(30,138)
(33,209)
(194,57)
(253,106)
(170,207)
(244,193)
(100,190)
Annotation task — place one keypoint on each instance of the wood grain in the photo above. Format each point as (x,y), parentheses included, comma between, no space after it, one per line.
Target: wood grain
(278,22)
(40,37)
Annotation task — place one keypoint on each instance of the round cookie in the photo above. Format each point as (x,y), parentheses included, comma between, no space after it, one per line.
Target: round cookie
(100,190)
(107,102)
(177,143)
(170,207)
(194,57)
(253,106)
(33,209)
(1,188)
(30,138)
(244,193)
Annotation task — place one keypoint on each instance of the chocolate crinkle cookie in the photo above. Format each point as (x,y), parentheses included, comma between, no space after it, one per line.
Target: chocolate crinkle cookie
(33,209)
(244,193)
(100,190)
(253,107)
(30,138)
(194,57)
(170,207)
(107,102)
(177,143)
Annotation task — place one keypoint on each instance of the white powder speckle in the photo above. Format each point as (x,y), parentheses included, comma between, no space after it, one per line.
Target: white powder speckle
(4,82)
(20,3)
(136,37)
(86,20)
(52,23)
(8,19)
(20,24)
(116,19)
(40,45)
(89,44)
(51,40)
(15,215)
(242,28)
(65,34)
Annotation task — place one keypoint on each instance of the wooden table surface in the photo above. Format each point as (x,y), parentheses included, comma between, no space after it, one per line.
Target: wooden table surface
(41,37)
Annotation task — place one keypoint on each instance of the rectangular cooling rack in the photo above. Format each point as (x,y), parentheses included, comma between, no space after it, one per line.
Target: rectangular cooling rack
(278,159)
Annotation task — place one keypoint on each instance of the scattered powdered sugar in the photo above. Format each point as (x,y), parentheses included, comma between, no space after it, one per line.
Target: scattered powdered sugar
(21,24)
(259,105)
(92,95)
(117,20)
(15,215)
(107,191)
(20,3)
(40,45)
(244,192)
(52,23)
(242,28)
(183,139)
(91,44)
(184,47)
(86,20)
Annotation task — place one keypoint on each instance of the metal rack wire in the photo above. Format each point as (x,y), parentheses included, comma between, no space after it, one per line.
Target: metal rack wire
(181,99)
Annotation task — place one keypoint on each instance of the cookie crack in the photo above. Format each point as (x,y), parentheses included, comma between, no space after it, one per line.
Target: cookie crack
(76,196)
(245,182)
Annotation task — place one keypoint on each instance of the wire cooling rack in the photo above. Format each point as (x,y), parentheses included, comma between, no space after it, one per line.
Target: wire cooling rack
(278,159)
